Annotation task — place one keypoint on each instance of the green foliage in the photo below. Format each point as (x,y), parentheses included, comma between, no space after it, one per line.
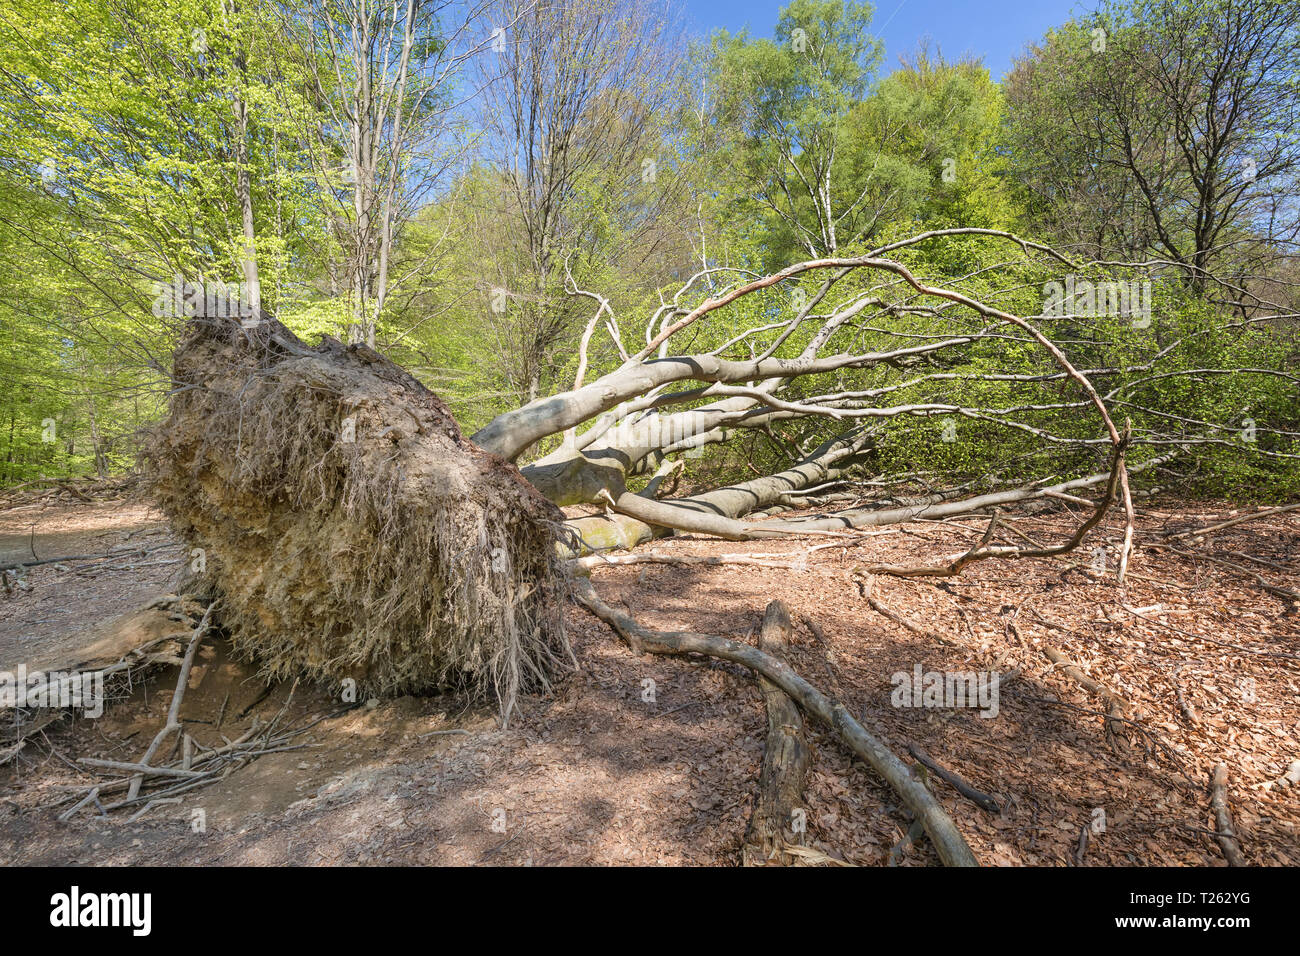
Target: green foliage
(117,179)
(119,165)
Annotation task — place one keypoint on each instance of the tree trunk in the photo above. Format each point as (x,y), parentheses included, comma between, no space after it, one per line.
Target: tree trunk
(779,815)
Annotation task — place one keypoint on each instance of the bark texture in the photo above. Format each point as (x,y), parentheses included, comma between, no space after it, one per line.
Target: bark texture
(775,821)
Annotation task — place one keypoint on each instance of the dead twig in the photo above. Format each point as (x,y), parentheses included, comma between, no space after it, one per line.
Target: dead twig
(1184,706)
(1117,485)
(978,797)
(1231,522)
(1285,593)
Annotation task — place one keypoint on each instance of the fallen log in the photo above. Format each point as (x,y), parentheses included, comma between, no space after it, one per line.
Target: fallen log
(593,561)
(785,759)
(614,530)
(66,558)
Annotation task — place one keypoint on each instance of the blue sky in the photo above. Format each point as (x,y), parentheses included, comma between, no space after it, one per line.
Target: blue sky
(996,30)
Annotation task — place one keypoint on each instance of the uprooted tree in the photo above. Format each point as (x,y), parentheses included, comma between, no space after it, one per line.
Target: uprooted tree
(349,529)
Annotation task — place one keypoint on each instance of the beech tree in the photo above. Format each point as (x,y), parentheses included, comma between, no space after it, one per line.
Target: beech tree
(869,348)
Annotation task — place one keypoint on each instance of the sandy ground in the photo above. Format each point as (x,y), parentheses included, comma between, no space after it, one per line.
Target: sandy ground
(604,772)
(56,604)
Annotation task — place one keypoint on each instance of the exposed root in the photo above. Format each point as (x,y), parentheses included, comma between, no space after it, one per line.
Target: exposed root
(173,724)
(866,585)
(948,841)
(198,766)
(977,797)
(1115,705)
(785,759)
(117,673)
(349,529)
(1226,835)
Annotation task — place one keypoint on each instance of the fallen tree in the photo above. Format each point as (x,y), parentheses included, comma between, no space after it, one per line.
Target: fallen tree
(354,532)
(350,531)
(805,370)
(844,365)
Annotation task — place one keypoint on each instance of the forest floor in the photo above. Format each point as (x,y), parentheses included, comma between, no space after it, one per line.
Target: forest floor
(600,773)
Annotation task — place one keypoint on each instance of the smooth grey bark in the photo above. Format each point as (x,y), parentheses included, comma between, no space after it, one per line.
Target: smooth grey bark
(511,433)
(640,524)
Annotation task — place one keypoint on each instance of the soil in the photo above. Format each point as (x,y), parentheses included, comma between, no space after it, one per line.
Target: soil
(612,769)
(68,599)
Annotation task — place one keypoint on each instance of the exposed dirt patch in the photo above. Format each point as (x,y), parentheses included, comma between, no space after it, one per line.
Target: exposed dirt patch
(52,605)
(598,773)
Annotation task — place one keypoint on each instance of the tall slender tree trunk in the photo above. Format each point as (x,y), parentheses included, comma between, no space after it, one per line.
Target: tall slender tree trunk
(251,294)
(244,193)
